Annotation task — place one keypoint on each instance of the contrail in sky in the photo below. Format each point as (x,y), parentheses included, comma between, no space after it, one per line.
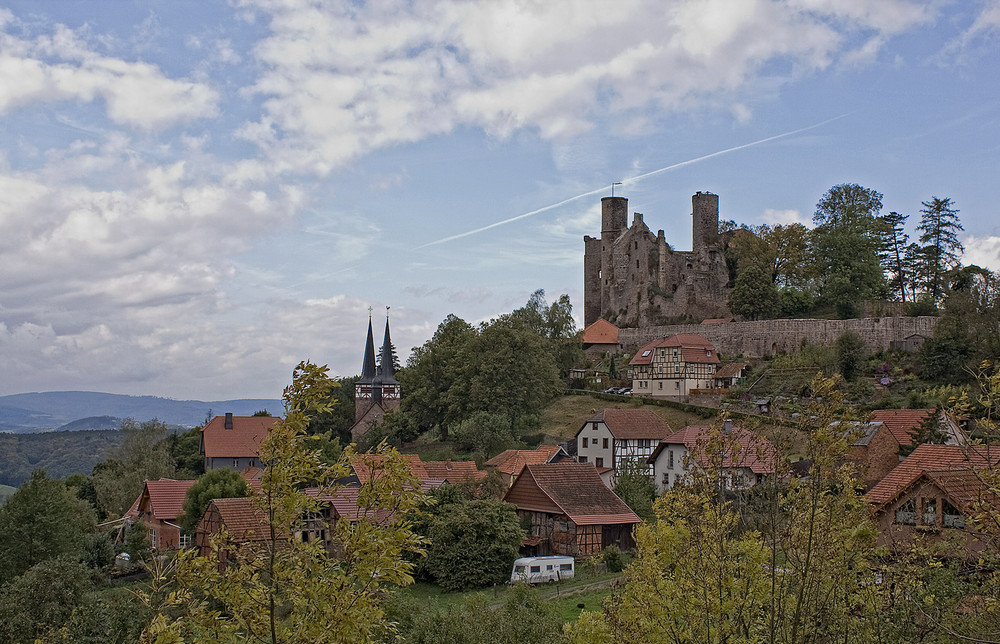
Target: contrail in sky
(628,181)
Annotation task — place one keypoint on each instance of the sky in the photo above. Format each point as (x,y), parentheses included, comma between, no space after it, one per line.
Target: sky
(195,196)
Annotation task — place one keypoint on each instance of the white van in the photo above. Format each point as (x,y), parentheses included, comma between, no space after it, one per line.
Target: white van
(539,570)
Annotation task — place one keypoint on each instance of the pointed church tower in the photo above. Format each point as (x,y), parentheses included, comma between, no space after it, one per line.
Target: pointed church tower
(377,390)
(363,387)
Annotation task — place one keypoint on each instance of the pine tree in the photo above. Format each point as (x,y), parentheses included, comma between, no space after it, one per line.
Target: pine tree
(939,228)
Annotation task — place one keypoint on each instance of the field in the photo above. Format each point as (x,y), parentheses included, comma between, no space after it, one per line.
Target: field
(564,417)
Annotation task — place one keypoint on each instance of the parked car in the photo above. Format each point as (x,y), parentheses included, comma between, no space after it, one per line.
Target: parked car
(540,570)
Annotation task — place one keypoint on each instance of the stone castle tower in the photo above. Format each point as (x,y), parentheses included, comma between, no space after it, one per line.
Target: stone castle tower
(377,390)
(634,278)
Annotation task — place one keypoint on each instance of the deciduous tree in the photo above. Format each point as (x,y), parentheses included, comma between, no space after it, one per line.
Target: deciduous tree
(214,484)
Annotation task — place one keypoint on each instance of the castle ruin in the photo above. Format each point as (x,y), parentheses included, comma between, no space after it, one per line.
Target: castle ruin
(635,279)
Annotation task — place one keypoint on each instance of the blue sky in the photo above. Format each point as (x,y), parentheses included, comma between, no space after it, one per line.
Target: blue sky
(195,196)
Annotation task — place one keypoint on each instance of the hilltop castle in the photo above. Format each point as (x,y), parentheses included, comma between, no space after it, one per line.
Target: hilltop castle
(635,279)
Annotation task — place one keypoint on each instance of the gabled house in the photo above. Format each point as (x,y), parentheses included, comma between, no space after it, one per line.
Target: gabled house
(509,463)
(730,374)
(614,436)
(874,450)
(431,474)
(746,458)
(934,493)
(241,517)
(571,511)
(159,505)
(904,424)
(233,442)
(599,338)
(674,367)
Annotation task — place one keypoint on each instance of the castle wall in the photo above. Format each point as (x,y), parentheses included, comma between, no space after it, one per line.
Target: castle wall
(592,279)
(768,337)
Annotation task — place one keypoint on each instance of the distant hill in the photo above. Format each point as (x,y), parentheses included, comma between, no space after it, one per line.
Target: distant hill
(33,412)
(92,423)
(58,453)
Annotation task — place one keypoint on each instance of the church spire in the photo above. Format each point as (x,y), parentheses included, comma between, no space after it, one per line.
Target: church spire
(386,369)
(368,372)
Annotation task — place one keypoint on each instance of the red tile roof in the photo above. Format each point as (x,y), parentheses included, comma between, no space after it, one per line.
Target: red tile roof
(966,489)
(344,501)
(600,332)
(755,452)
(512,461)
(164,498)
(576,490)
(366,464)
(631,424)
(453,471)
(694,348)
(242,440)
(929,457)
(712,321)
(901,422)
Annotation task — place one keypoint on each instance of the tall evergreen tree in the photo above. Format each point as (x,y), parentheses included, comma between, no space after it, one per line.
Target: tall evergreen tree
(939,228)
(894,252)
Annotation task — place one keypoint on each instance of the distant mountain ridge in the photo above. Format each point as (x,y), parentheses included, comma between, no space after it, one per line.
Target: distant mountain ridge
(33,412)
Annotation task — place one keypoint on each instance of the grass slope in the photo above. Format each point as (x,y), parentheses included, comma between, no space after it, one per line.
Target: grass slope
(567,414)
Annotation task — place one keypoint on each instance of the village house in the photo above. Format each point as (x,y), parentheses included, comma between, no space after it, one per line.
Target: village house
(740,457)
(730,374)
(509,463)
(158,506)
(233,442)
(571,511)
(674,367)
(933,494)
(615,437)
(431,474)
(873,450)
(905,423)
(600,338)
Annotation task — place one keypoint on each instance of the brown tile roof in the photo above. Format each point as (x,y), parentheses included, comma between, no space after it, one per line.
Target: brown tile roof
(712,321)
(901,422)
(755,452)
(966,489)
(700,349)
(243,519)
(241,441)
(928,457)
(579,493)
(365,464)
(344,501)
(512,461)
(164,497)
(730,369)
(631,424)
(600,332)
(453,471)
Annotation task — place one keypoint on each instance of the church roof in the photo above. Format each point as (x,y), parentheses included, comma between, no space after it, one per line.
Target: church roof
(386,373)
(368,366)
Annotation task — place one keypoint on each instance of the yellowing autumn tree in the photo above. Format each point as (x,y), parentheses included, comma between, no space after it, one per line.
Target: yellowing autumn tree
(282,588)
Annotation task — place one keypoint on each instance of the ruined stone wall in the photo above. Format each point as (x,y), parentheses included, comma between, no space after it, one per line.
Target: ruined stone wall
(768,337)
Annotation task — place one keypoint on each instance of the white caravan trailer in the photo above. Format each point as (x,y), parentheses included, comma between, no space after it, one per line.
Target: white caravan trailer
(539,570)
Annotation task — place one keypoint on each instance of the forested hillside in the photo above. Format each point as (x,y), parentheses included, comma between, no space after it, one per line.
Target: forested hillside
(58,453)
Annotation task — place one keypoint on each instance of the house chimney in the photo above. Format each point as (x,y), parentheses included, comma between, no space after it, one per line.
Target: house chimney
(229,420)
(727,426)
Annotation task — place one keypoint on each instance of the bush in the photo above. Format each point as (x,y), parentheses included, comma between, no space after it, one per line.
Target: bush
(613,558)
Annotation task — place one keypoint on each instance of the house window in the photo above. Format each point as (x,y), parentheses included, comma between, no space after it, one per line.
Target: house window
(594,426)
(666,479)
(952,517)
(675,353)
(670,459)
(930,511)
(663,353)
(599,462)
(661,385)
(604,444)
(236,463)
(253,462)
(185,541)
(677,368)
(152,538)
(584,441)
(583,459)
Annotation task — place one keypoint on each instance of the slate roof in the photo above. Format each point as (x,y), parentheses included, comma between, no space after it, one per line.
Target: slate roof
(694,348)
(512,461)
(901,422)
(577,490)
(368,363)
(242,440)
(600,332)
(755,452)
(626,424)
(864,432)
(930,457)
(165,498)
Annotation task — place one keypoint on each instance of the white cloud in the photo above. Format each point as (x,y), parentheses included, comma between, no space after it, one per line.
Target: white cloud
(982,251)
(340,83)
(775,217)
(60,66)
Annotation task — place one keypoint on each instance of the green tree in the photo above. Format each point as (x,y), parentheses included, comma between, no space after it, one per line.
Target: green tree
(893,255)
(41,600)
(42,520)
(845,247)
(484,435)
(473,543)
(850,355)
(939,228)
(754,296)
(635,487)
(144,455)
(214,484)
(285,589)
(185,449)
